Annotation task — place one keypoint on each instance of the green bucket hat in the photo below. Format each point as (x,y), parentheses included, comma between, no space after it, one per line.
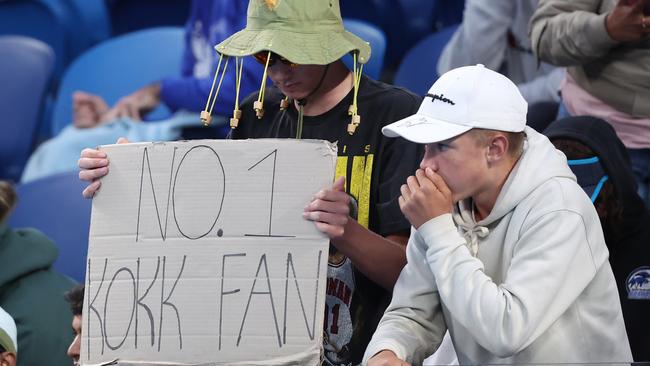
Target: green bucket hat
(302,31)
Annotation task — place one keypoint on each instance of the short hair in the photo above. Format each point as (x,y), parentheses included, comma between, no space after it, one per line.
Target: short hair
(515,139)
(7,199)
(75,297)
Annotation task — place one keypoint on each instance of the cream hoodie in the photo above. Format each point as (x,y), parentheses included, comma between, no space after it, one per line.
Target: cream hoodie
(530,283)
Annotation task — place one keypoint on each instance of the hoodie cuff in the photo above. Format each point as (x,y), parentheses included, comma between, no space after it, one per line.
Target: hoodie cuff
(376,347)
(439,231)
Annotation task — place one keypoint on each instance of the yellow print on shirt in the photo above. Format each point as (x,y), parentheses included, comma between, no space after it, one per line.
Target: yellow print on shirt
(360,179)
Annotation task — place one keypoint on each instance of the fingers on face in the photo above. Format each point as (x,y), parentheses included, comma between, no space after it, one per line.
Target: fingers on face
(412,183)
(440,184)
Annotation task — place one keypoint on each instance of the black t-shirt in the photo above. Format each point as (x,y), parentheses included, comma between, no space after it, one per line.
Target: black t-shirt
(375,167)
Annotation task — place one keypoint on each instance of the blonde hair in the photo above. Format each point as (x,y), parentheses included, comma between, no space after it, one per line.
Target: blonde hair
(7,199)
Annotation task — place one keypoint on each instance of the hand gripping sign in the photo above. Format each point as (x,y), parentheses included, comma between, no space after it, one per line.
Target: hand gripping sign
(198,254)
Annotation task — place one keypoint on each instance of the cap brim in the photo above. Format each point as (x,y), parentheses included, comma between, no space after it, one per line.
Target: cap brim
(301,48)
(423,129)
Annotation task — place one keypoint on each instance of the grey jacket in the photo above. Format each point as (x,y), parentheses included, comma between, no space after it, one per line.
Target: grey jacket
(573,33)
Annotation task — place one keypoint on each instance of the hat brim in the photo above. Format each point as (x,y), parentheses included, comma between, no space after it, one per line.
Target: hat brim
(300,48)
(423,129)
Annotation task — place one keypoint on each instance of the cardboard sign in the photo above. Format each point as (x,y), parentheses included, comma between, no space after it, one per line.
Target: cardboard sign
(198,254)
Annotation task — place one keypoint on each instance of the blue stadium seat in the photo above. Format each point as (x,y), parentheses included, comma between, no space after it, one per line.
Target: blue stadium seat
(372,34)
(26,68)
(448,13)
(418,69)
(120,66)
(377,12)
(91,18)
(54,205)
(43,20)
(132,15)
(68,26)
(416,23)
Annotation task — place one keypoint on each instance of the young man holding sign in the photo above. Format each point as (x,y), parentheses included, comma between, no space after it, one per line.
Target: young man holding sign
(506,250)
(300,43)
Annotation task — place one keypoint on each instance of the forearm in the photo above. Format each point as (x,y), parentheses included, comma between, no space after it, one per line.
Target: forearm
(380,259)
(413,326)
(569,33)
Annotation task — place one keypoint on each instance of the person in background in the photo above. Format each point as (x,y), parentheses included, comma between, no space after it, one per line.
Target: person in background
(506,251)
(605,46)
(75,297)
(495,33)
(95,123)
(210,22)
(8,344)
(600,162)
(31,291)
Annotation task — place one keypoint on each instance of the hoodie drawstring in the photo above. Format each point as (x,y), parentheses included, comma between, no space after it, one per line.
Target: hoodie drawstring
(206,114)
(471,232)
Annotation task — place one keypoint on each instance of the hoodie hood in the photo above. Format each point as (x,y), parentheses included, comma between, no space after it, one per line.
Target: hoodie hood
(601,138)
(23,251)
(539,162)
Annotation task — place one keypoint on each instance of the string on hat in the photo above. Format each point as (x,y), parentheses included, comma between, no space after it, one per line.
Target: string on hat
(258,105)
(206,114)
(353,110)
(236,114)
(301,114)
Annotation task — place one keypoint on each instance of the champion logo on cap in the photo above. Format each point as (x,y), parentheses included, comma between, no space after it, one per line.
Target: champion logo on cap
(440,97)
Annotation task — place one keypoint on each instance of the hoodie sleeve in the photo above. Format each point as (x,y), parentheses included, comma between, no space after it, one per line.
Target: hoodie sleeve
(548,270)
(413,325)
(569,33)
(191,94)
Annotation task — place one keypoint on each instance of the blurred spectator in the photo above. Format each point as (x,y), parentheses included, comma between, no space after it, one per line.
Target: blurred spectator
(211,21)
(625,220)
(32,292)
(606,47)
(495,33)
(8,346)
(75,297)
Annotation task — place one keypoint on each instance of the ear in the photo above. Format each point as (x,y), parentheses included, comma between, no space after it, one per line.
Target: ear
(497,148)
(7,359)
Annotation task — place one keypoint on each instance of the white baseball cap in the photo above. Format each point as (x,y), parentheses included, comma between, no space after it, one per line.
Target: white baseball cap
(7,332)
(461,99)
